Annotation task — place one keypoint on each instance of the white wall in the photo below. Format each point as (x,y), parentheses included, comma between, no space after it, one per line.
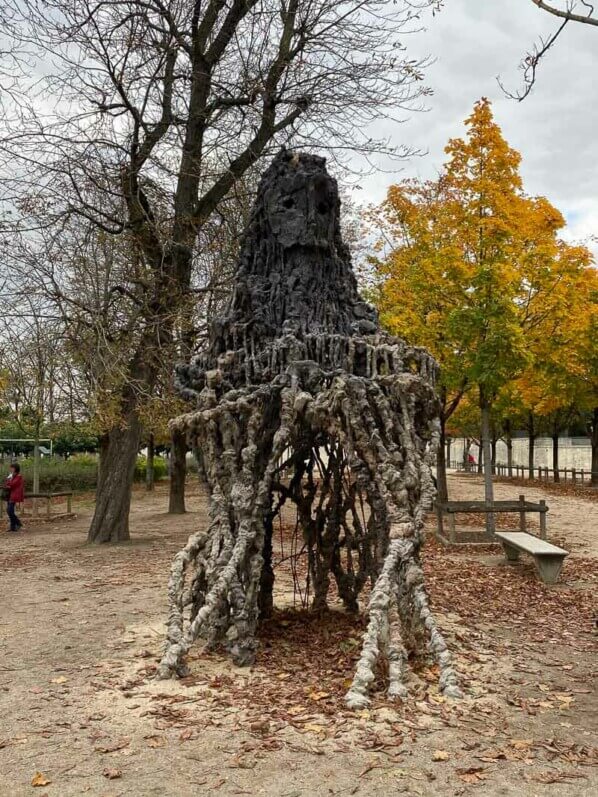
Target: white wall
(574,452)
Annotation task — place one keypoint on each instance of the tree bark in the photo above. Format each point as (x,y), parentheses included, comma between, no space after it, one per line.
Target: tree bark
(118,456)
(486,448)
(441,482)
(555,456)
(178,473)
(594,441)
(531,446)
(509,442)
(149,470)
(36,463)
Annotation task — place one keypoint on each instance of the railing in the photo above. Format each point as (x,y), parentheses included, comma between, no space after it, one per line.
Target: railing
(578,476)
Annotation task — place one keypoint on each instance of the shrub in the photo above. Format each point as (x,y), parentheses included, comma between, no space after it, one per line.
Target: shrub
(160,468)
(78,473)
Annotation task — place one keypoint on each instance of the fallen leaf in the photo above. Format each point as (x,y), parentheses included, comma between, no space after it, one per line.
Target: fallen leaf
(521,744)
(40,780)
(471,774)
(112,774)
(440,755)
(60,680)
(112,747)
(155,741)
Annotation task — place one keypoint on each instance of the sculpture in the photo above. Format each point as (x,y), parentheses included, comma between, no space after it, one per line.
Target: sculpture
(302,398)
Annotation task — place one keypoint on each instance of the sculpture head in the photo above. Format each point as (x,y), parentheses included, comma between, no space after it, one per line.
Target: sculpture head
(301,204)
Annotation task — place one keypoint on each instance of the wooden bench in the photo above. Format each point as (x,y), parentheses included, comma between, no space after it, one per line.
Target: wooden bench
(68,495)
(548,557)
(453,508)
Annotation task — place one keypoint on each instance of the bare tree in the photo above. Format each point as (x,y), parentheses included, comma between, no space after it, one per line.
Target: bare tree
(161,106)
(570,11)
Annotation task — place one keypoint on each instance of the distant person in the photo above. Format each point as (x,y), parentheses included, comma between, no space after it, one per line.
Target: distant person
(15,494)
(471,459)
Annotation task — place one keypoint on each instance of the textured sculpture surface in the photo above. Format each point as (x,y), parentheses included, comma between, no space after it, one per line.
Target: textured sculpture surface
(302,399)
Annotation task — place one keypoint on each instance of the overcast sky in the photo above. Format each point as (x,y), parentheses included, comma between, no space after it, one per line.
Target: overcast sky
(555,129)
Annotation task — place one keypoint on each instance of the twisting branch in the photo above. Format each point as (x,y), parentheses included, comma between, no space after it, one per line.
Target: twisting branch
(531,61)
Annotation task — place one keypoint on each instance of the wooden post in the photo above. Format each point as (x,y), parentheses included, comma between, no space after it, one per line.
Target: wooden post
(48,505)
(574,475)
(452,528)
(522,518)
(440,528)
(542,520)
(582,475)
(69,503)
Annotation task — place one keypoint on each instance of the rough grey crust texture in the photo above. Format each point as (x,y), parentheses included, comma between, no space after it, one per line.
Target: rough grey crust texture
(301,398)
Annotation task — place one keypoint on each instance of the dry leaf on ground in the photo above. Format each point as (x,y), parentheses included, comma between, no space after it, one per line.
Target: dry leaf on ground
(40,779)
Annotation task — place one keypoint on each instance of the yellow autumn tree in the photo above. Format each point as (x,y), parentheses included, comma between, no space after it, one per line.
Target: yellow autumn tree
(466,267)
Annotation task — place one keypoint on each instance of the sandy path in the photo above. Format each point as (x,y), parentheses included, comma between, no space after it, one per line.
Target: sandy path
(80,632)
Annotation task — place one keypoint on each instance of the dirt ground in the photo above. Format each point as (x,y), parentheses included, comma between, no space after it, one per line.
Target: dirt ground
(81,630)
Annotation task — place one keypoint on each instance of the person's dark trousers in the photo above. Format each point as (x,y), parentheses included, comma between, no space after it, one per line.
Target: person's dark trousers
(15,523)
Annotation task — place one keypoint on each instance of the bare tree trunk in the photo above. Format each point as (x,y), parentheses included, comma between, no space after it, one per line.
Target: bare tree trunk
(594,440)
(178,473)
(555,456)
(531,446)
(486,448)
(509,442)
(118,456)
(36,460)
(441,482)
(149,470)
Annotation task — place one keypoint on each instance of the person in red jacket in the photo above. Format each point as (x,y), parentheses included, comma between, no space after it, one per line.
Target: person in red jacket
(16,495)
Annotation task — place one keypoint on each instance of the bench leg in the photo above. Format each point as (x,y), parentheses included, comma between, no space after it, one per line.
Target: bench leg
(511,553)
(549,567)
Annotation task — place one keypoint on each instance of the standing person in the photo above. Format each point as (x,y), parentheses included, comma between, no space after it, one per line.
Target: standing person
(16,495)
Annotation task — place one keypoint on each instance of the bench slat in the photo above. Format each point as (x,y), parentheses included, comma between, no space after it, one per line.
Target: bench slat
(529,543)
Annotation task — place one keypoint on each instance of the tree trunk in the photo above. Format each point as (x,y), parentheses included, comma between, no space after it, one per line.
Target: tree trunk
(149,469)
(594,439)
(509,442)
(178,473)
(486,448)
(555,456)
(441,482)
(449,441)
(532,439)
(481,458)
(36,460)
(118,457)
(494,441)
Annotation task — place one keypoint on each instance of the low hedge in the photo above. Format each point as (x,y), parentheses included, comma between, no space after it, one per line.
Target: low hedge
(78,473)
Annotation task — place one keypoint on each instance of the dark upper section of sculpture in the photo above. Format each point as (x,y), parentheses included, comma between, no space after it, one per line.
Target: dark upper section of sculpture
(295,273)
(295,295)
